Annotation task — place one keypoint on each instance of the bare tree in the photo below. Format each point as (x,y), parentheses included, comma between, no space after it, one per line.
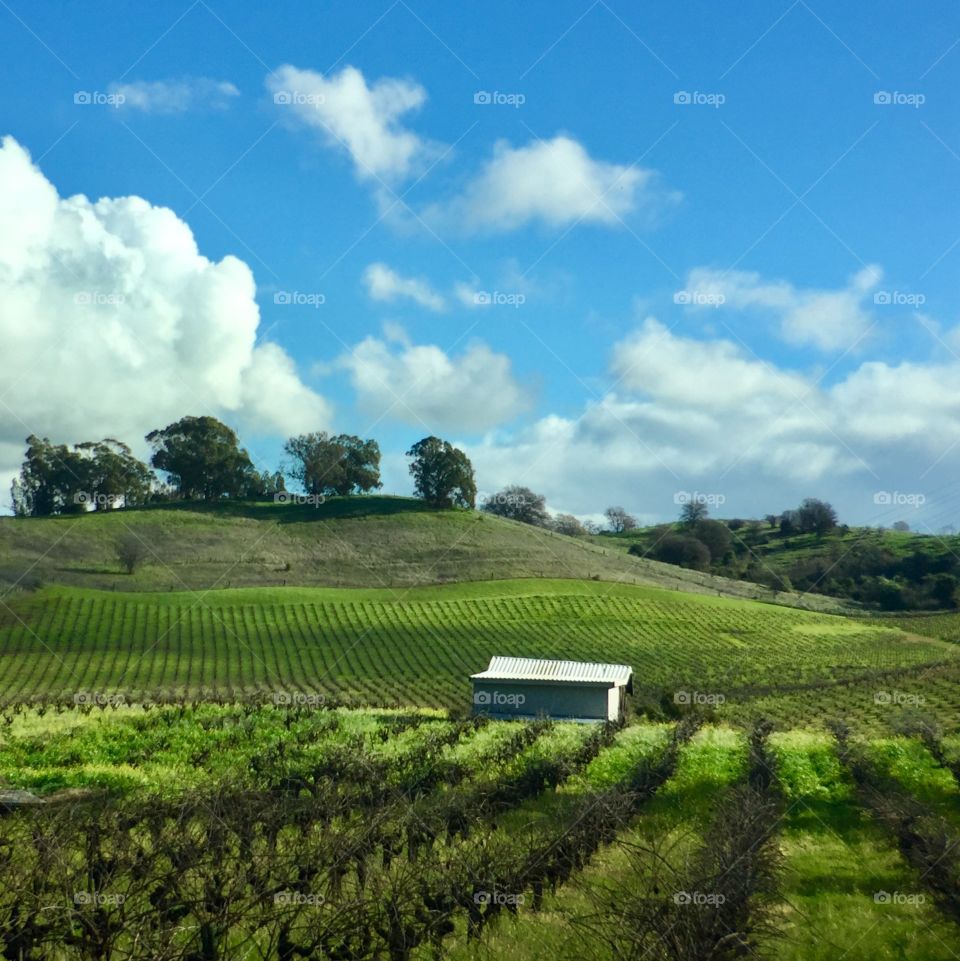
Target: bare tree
(131,552)
(619,520)
(569,525)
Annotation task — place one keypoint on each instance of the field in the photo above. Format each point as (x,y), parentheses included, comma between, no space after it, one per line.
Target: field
(237,831)
(418,647)
(249,759)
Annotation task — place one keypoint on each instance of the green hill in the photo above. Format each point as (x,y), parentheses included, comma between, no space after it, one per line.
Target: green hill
(418,646)
(383,601)
(346,542)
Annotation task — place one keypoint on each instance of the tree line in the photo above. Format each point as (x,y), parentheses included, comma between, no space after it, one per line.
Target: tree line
(200,459)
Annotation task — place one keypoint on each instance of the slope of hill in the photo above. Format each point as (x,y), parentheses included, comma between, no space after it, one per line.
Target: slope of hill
(370,541)
(418,646)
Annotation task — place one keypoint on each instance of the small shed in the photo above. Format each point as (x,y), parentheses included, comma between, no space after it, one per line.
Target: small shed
(525,687)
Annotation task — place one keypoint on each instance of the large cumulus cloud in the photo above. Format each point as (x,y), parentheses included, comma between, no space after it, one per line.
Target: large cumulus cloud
(113,322)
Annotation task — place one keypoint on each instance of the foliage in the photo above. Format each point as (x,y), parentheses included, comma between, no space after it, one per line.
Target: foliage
(519,504)
(815,517)
(334,465)
(203,458)
(57,480)
(684,551)
(442,474)
(715,537)
(693,513)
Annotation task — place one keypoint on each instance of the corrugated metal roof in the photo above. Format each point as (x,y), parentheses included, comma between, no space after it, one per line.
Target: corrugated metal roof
(533,669)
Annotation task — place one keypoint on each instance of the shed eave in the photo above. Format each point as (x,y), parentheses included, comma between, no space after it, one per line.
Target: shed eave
(547,681)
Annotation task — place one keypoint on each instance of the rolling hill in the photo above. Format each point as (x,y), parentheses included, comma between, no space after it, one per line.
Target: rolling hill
(371,541)
(417,646)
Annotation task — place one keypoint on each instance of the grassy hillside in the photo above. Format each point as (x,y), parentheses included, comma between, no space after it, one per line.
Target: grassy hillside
(872,568)
(419,645)
(346,542)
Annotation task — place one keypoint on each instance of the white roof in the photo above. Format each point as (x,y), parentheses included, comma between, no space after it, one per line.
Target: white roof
(533,669)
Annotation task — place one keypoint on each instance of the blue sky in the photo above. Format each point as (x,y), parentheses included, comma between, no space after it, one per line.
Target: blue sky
(721,248)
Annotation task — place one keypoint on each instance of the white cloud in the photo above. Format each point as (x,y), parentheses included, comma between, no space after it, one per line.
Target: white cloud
(113,323)
(468,295)
(175,96)
(555,182)
(426,387)
(385,284)
(691,415)
(351,115)
(827,319)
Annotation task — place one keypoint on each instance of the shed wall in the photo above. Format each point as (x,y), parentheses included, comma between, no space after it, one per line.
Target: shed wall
(519,699)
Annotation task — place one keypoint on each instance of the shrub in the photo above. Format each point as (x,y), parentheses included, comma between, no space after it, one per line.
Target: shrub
(684,551)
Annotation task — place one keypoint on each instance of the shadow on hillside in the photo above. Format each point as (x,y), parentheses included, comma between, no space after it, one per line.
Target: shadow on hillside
(332,508)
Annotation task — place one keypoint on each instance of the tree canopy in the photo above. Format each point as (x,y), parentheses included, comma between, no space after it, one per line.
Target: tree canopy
(693,512)
(342,464)
(519,504)
(442,474)
(815,517)
(203,459)
(56,479)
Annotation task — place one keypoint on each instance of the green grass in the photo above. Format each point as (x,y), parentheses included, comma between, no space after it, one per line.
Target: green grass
(847,891)
(419,646)
(909,763)
(168,750)
(945,626)
(713,759)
